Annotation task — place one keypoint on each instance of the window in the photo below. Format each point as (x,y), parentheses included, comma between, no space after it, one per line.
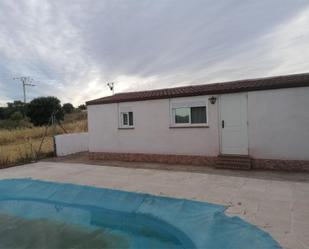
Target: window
(182,115)
(189,114)
(198,115)
(126,119)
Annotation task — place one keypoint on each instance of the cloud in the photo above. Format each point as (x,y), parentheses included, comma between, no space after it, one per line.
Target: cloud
(72,48)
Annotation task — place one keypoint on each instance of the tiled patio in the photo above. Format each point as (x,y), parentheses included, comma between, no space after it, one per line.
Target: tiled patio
(278,204)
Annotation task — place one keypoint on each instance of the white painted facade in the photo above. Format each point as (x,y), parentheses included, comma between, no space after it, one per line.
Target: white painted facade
(152,131)
(278,126)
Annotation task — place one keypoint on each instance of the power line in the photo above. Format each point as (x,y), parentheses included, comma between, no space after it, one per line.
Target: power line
(26,81)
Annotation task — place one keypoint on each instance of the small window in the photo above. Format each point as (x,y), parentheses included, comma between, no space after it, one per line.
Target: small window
(126,119)
(190,116)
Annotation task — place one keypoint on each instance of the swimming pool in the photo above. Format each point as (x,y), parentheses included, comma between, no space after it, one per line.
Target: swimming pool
(39,214)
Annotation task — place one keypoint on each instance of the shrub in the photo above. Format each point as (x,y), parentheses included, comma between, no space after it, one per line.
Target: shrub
(16,116)
(9,124)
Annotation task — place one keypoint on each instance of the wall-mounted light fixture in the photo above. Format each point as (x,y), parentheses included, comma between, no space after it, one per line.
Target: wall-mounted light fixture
(213,100)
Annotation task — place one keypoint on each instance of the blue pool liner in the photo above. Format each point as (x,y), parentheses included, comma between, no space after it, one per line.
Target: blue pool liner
(190,224)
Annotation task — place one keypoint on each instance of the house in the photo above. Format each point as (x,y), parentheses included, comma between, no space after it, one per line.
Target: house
(260,123)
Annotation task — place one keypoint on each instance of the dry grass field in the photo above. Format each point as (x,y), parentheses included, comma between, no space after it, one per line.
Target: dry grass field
(22,145)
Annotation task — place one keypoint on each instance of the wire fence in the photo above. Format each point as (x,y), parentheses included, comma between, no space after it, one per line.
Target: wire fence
(26,145)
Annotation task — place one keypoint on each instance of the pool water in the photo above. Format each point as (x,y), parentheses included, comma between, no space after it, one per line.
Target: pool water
(19,232)
(38,214)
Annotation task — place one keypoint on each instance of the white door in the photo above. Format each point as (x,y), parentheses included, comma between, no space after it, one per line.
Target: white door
(233,124)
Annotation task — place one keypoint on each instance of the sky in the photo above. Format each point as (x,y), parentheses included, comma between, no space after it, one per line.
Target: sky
(71,49)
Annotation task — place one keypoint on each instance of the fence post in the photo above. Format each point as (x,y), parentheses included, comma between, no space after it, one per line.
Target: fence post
(54,133)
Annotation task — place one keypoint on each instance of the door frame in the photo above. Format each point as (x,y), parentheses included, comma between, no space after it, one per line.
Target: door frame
(220,125)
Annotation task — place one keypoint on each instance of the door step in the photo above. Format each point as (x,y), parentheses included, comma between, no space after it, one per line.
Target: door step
(233,162)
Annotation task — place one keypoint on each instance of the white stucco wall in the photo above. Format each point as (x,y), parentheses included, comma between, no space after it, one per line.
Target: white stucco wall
(71,143)
(279,123)
(152,132)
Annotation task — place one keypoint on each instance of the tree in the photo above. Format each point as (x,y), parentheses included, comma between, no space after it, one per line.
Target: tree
(12,107)
(68,108)
(41,109)
(2,113)
(82,107)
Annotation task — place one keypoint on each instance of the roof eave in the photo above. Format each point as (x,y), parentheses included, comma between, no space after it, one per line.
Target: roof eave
(227,87)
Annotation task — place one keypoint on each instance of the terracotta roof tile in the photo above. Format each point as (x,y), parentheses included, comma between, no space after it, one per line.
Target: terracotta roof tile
(277,82)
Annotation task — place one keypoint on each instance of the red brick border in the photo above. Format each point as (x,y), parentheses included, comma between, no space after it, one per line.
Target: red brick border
(263,164)
(155,158)
(276,164)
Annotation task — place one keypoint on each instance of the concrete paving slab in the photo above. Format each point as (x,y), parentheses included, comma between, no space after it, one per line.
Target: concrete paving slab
(277,204)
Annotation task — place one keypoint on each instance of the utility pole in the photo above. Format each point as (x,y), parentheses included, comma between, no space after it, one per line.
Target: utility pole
(26,81)
(111,86)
